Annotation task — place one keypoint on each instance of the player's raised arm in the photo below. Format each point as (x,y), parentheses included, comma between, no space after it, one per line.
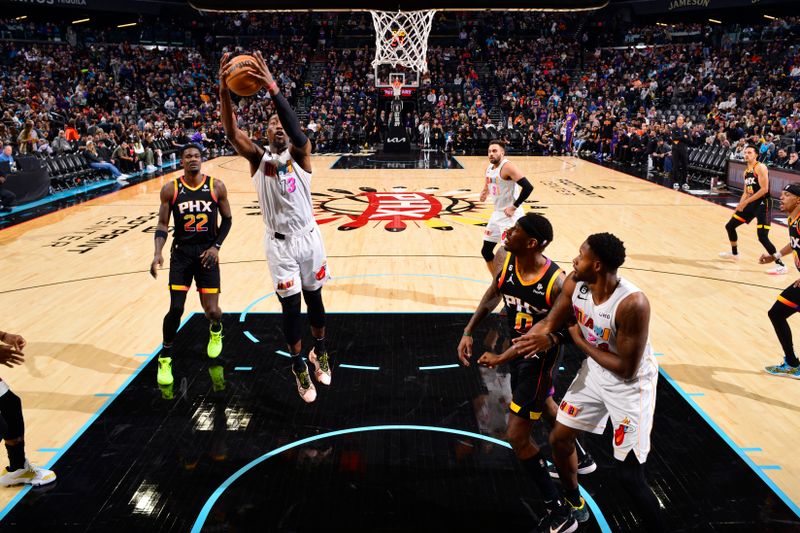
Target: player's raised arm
(243,145)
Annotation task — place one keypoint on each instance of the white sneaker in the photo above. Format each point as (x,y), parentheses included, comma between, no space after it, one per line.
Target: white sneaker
(322,367)
(685,186)
(151,168)
(729,255)
(27,475)
(305,388)
(778,270)
(676,186)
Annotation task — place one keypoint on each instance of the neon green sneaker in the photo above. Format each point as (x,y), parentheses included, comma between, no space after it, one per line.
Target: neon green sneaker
(215,342)
(164,376)
(217,377)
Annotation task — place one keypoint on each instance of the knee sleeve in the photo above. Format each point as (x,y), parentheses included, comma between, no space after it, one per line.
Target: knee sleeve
(11,411)
(177,300)
(730,227)
(488,251)
(292,330)
(316,309)
(763,238)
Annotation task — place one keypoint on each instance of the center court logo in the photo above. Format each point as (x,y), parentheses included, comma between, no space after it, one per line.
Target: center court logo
(396,208)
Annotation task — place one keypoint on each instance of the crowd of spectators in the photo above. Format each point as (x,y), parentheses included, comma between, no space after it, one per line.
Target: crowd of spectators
(508,75)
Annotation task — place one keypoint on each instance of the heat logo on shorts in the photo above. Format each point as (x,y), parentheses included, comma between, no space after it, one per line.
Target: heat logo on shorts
(619,433)
(286,285)
(569,409)
(322,273)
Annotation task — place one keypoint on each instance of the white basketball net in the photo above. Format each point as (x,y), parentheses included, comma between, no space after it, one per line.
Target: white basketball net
(401,38)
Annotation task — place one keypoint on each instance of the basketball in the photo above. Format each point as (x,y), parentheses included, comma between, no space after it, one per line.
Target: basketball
(240,80)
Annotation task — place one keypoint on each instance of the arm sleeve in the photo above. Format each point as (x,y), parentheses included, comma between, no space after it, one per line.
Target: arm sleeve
(289,120)
(224,228)
(526,191)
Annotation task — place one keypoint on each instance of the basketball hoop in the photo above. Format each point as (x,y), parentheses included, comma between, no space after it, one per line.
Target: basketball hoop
(397,87)
(401,38)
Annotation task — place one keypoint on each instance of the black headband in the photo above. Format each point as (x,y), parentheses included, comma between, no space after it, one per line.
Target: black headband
(793,188)
(528,227)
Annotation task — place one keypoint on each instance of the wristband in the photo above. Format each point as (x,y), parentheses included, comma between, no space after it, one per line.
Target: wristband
(217,245)
(465,334)
(161,233)
(778,255)
(272,86)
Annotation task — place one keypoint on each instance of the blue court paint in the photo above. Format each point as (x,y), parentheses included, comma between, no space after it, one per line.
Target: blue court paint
(769,467)
(141,355)
(243,368)
(250,336)
(561,369)
(105,394)
(281,352)
(695,394)
(95,416)
(659,354)
(201,518)
(49,450)
(771,484)
(438,367)
(751,449)
(359,367)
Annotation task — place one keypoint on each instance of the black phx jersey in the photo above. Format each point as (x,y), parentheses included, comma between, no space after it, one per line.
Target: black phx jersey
(194,211)
(526,302)
(751,184)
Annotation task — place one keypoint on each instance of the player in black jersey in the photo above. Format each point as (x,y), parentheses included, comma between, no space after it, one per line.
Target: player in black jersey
(195,201)
(755,203)
(789,300)
(529,283)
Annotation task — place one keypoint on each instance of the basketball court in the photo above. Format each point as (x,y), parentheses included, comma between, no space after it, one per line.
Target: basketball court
(403,433)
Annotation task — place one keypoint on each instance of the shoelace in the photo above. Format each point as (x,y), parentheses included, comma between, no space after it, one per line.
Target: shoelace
(323,363)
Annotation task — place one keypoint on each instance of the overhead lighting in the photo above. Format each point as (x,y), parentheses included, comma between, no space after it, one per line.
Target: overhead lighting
(715,21)
(770,17)
(128,25)
(661,24)
(23,17)
(79,21)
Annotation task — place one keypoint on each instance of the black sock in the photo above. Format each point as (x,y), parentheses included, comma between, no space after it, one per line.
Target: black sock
(734,249)
(319,346)
(298,365)
(573,496)
(216,327)
(166,351)
(779,262)
(16,456)
(536,467)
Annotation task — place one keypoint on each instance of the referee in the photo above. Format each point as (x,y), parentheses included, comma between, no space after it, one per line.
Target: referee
(680,154)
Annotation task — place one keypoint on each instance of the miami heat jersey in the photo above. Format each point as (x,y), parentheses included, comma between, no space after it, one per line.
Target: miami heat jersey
(194,210)
(284,193)
(794,240)
(751,185)
(527,302)
(598,322)
(502,190)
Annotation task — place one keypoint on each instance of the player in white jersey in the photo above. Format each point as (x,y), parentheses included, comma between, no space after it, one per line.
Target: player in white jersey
(617,380)
(502,176)
(295,253)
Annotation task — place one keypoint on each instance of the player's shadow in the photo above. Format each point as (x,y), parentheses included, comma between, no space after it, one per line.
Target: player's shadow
(706,377)
(79,355)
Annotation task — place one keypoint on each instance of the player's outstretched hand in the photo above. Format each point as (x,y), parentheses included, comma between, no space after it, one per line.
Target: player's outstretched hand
(158,262)
(465,350)
(261,71)
(10,356)
(224,67)
(766,258)
(15,340)
(489,359)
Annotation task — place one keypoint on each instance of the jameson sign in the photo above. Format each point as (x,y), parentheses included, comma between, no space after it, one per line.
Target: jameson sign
(128,6)
(677,6)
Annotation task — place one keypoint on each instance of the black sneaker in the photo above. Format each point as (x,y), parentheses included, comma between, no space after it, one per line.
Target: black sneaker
(585,466)
(562,520)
